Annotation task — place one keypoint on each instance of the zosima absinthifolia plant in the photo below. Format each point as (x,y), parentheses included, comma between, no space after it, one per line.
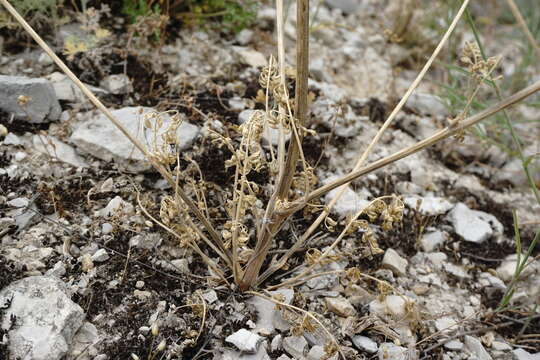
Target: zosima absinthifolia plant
(240,250)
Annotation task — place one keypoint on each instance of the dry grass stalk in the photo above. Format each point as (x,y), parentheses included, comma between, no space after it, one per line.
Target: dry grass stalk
(230,245)
(523,25)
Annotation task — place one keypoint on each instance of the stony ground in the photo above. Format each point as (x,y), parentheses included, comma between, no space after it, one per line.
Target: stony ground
(86,275)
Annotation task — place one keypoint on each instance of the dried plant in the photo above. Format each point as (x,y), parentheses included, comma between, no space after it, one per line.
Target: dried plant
(256,214)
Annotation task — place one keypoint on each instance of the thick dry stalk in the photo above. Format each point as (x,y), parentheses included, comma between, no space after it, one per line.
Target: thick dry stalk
(361,160)
(523,25)
(167,176)
(440,135)
(270,228)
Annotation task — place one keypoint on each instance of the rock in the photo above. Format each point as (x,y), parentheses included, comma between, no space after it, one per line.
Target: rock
(46,318)
(520,354)
(501,346)
(245,340)
(58,270)
(428,104)
(117,84)
(142,295)
(116,206)
(347,6)
(432,240)
(250,57)
(393,261)
(317,353)
(99,137)
(12,139)
(100,256)
(445,324)
(83,342)
(454,345)
(474,346)
(393,305)
(430,205)
(244,37)
(365,344)
(295,346)
(389,351)
(139,284)
(86,263)
(348,204)
(507,268)
(269,318)
(44,59)
(340,306)
(56,149)
(107,228)
(66,90)
(29,99)
(474,226)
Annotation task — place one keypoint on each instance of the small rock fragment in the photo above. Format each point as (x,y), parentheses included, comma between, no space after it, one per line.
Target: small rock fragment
(474,226)
(139,284)
(340,306)
(432,240)
(521,354)
(365,344)
(250,57)
(29,99)
(454,345)
(245,340)
(57,149)
(393,261)
(117,84)
(295,346)
(474,346)
(389,351)
(100,256)
(501,346)
(86,263)
(427,104)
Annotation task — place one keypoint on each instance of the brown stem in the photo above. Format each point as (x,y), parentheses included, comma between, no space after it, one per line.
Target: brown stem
(268,230)
(443,134)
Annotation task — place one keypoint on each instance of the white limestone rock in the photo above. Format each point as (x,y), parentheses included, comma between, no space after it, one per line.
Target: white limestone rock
(474,226)
(97,136)
(365,344)
(47,319)
(57,149)
(393,261)
(245,340)
(117,84)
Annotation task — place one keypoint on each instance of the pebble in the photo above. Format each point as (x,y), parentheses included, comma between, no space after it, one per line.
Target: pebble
(250,57)
(474,226)
(340,306)
(117,84)
(365,344)
(39,105)
(393,261)
(430,205)
(295,346)
(86,263)
(432,240)
(100,256)
(389,351)
(454,345)
(139,284)
(142,295)
(244,340)
(106,228)
(500,346)
(476,348)
(521,354)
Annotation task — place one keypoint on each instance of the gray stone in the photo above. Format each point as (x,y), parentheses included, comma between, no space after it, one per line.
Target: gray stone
(83,343)
(474,226)
(340,306)
(117,84)
(454,345)
(46,318)
(41,104)
(520,354)
(295,346)
(57,149)
(432,240)
(474,346)
(250,57)
(348,204)
(389,351)
(100,256)
(365,344)
(500,346)
(12,139)
(393,261)
(99,137)
(66,90)
(244,37)
(317,353)
(245,340)
(347,6)
(269,318)
(430,205)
